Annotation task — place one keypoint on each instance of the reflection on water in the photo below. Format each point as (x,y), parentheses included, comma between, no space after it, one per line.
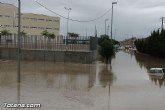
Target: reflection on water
(66,86)
(158,80)
(106,75)
(57,82)
(148,62)
(133,90)
(6,68)
(61,75)
(18,94)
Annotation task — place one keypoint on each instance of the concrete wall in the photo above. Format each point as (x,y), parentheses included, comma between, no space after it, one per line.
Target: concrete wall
(47,55)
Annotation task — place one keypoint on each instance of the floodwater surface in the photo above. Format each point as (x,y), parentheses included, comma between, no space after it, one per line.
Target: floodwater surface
(125,85)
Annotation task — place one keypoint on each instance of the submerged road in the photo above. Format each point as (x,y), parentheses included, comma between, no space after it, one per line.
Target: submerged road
(69,86)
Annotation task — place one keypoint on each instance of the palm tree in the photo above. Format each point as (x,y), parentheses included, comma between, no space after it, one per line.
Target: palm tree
(73,35)
(51,36)
(45,33)
(23,34)
(4,33)
(48,35)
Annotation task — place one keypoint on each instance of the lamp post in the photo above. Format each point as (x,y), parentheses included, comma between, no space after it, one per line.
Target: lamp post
(105,25)
(1,33)
(162,18)
(115,34)
(112,19)
(108,30)
(19,39)
(68,9)
(0,37)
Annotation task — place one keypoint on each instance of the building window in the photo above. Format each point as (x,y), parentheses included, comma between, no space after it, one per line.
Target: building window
(41,28)
(56,28)
(34,19)
(7,26)
(33,27)
(56,21)
(7,16)
(41,19)
(25,26)
(48,28)
(25,18)
(48,20)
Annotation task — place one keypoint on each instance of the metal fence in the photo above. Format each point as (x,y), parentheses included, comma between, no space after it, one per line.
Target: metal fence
(59,43)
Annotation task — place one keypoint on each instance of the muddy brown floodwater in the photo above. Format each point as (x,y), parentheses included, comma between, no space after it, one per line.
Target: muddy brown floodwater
(69,86)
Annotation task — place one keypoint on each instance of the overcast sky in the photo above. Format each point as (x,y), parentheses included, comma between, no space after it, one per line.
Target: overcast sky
(131,17)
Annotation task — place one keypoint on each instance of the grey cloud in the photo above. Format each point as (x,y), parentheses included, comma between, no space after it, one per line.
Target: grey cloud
(137,17)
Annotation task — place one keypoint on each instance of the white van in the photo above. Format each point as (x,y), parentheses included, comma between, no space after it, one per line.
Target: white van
(157,71)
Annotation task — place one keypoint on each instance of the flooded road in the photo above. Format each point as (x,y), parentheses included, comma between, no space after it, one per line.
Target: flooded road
(67,86)
(134,89)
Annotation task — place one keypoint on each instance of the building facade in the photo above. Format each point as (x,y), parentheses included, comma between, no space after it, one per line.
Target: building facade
(32,24)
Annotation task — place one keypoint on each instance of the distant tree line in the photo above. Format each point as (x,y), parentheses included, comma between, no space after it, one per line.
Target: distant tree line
(153,45)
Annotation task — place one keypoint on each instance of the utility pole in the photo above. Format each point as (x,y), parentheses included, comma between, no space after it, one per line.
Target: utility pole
(115,34)
(19,39)
(105,25)
(68,9)
(162,18)
(108,30)
(112,19)
(95,31)
(86,32)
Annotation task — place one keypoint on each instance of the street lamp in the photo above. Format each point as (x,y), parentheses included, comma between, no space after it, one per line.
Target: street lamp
(19,39)
(108,29)
(115,34)
(105,25)
(0,34)
(68,9)
(112,18)
(0,37)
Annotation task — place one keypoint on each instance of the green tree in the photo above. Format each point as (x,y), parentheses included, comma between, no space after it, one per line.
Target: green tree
(51,36)
(23,34)
(106,37)
(45,33)
(48,35)
(5,33)
(107,50)
(73,35)
(153,45)
(102,38)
